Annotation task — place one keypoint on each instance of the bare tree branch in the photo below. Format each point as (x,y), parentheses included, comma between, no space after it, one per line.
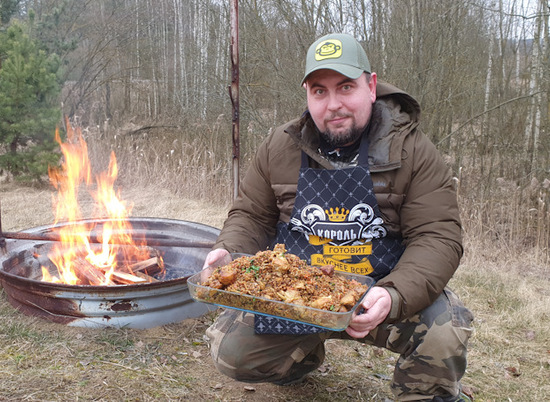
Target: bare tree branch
(484,113)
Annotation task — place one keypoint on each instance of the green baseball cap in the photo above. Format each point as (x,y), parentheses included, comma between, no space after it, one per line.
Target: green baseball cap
(338,52)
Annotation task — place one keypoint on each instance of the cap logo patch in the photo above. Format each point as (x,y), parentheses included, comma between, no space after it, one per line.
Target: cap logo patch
(330,49)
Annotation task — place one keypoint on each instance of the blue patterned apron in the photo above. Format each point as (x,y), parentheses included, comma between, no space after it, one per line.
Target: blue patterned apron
(335,221)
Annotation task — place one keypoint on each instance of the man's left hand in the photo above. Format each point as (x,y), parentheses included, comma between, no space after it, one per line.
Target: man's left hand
(377,306)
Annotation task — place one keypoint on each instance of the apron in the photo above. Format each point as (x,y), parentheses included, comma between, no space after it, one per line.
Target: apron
(335,221)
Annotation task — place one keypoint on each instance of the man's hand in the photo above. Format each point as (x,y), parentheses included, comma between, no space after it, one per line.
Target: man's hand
(215,258)
(377,306)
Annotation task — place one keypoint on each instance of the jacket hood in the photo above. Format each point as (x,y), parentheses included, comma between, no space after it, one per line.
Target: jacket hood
(408,104)
(395,114)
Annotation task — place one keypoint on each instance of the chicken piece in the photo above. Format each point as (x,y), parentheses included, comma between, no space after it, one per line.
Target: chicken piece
(327,270)
(279,249)
(228,275)
(214,283)
(322,303)
(349,299)
(359,289)
(281,264)
(291,296)
(295,261)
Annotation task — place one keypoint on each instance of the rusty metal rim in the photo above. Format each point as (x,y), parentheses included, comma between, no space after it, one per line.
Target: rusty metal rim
(139,306)
(143,309)
(95,288)
(46,234)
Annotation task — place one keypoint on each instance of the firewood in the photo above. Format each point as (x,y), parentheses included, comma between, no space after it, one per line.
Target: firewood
(137,272)
(99,275)
(40,276)
(150,267)
(148,278)
(144,265)
(126,278)
(89,274)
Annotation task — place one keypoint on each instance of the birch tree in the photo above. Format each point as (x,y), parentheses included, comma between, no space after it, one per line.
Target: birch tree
(538,102)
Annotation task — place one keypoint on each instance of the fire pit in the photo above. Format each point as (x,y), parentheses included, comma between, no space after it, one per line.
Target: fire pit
(110,270)
(182,245)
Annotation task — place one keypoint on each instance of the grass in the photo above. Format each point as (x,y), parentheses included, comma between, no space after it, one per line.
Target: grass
(510,351)
(504,279)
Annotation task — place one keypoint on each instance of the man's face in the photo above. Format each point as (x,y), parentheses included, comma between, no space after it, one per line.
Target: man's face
(340,106)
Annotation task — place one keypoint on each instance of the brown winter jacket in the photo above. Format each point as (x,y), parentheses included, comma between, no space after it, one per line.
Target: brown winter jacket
(413,187)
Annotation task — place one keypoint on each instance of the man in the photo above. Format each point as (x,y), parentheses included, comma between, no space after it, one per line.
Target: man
(353,182)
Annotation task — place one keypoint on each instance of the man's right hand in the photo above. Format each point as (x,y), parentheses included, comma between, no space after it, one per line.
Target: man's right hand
(215,258)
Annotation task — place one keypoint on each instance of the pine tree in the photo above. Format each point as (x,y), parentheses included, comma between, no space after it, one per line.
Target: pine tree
(7,9)
(28,106)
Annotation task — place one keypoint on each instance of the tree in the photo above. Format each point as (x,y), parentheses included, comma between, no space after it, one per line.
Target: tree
(28,106)
(7,9)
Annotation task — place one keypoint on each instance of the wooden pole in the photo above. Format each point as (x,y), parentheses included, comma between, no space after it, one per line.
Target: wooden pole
(234,92)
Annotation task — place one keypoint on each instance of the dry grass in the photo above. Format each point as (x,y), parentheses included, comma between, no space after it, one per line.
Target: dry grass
(505,283)
(509,353)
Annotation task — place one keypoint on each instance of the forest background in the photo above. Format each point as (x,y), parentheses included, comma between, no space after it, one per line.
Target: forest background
(150,80)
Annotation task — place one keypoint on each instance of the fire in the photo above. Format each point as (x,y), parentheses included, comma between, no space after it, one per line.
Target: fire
(88,253)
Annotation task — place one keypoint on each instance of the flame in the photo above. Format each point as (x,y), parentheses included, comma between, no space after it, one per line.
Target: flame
(88,253)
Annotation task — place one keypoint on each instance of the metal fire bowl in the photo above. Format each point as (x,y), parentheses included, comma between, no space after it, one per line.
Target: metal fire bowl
(132,306)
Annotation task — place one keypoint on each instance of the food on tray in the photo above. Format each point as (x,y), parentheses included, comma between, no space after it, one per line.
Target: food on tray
(280,276)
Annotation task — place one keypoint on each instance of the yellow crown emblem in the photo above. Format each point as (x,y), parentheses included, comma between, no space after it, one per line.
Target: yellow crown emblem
(337,214)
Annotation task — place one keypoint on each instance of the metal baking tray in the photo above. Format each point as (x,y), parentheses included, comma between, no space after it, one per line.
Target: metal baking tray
(334,321)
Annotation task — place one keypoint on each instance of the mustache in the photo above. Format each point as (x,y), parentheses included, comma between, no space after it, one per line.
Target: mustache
(338,115)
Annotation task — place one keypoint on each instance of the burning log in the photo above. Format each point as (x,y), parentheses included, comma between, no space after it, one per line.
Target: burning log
(144,265)
(85,272)
(134,273)
(141,271)
(148,278)
(125,278)
(151,266)
(88,273)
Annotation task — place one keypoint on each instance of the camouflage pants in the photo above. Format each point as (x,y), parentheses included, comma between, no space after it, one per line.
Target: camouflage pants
(431,344)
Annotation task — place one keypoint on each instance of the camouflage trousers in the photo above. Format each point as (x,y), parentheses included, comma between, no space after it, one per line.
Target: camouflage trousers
(431,344)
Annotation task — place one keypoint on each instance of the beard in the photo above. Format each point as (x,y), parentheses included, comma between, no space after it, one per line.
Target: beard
(338,140)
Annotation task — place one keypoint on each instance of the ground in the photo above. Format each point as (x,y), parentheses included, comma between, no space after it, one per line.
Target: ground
(509,354)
